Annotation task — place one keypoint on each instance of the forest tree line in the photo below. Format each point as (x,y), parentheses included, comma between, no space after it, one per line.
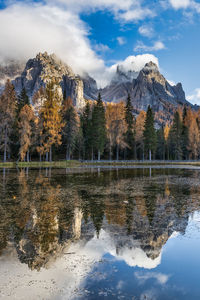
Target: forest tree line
(52,128)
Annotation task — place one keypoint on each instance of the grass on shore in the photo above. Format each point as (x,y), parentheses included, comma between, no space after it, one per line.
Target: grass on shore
(76,163)
(43,164)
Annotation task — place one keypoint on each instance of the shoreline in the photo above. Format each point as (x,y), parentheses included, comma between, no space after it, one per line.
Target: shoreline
(76,163)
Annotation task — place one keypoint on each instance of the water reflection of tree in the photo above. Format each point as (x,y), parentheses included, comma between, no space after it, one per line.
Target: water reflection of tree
(129,214)
(45,213)
(93,207)
(150,201)
(36,233)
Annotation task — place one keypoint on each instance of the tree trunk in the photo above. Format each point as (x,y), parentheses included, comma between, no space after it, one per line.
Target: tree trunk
(117,152)
(92,154)
(99,155)
(5,146)
(50,154)
(164,153)
(110,153)
(79,153)
(68,154)
(47,156)
(150,154)
(40,157)
(27,156)
(143,151)
(135,151)
(125,154)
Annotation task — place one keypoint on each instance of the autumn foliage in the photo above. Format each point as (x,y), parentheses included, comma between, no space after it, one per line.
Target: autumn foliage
(51,127)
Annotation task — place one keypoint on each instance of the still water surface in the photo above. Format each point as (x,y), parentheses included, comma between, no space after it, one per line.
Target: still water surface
(100,234)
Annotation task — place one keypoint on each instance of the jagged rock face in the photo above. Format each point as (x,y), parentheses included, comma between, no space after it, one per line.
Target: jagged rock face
(116,92)
(152,88)
(10,70)
(120,85)
(45,66)
(149,88)
(122,76)
(89,87)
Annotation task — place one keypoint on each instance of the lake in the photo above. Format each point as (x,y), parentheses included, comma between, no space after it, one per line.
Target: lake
(100,233)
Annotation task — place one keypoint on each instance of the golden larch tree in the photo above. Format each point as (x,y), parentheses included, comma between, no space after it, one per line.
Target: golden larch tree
(26,120)
(51,119)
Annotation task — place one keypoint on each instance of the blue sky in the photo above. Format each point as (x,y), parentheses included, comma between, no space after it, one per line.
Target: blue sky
(94,35)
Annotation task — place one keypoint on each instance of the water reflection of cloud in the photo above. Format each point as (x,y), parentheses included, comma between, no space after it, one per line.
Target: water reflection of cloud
(120,284)
(144,276)
(136,257)
(68,273)
(133,257)
(148,295)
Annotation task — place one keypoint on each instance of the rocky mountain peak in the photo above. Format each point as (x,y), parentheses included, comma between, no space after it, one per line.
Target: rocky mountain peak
(40,69)
(122,75)
(151,73)
(147,87)
(151,66)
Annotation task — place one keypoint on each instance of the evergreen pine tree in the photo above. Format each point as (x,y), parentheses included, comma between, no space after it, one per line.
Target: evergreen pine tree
(70,129)
(185,135)
(149,134)
(161,144)
(99,126)
(86,125)
(22,100)
(175,138)
(130,133)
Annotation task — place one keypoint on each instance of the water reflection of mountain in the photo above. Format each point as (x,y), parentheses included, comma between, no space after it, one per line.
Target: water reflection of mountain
(42,213)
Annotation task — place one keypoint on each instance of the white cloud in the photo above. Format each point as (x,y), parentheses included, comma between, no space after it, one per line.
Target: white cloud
(180,3)
(136,14)
(146,30)
(131,63)
(158,45)
(121,40)
(55,26)
(185,4)
(195,97)
(135,63)
(101,48)
(126,10)
(26,30)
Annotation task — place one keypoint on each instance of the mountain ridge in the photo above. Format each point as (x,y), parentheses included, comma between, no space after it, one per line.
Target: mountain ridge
(146,87)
